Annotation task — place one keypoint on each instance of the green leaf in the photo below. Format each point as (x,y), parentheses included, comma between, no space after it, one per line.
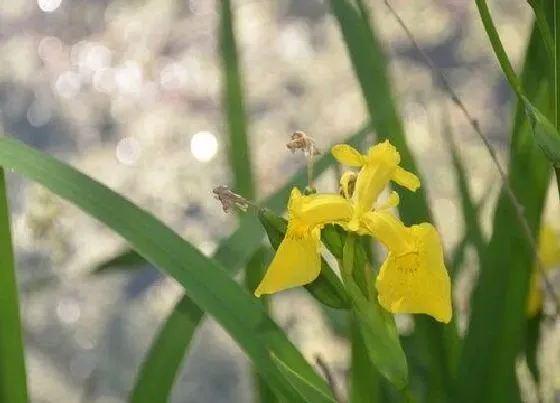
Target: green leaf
(532,340)
(468,206)
(233,103)
(377,326)
(13,381)
(370,66)
(365,380)
(155,380)
(327,288)
(126,259)
(497,322)
(544,132)
(205,282)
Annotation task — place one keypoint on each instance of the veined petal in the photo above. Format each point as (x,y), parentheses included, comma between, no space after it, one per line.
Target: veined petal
(347,155)
(297,262)
(417,282)
(406,179)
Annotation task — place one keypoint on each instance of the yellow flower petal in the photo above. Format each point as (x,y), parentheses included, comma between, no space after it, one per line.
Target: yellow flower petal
(406,179)
(416,281)
(317,209)
(297,262)
(347,155)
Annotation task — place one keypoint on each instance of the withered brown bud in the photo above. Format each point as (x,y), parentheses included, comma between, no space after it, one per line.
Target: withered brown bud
(228,199)
(303,142)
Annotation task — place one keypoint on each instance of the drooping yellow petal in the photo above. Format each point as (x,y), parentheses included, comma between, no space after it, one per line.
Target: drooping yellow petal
(406,179)
(347,155)
(413,279)
(297,262)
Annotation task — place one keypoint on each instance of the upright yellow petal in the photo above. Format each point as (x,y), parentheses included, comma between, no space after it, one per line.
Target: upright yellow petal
(406,179)
(417,281)
(297,262)
(347,155)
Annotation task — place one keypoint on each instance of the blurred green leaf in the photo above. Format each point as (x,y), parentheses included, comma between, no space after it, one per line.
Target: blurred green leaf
(208,284)
(532,341)
(497,322)
(233,103)
(370,66)
(326,288)
(13,381)
(546,135)
(159,368)
(365,380)
(468,207)
(125,259)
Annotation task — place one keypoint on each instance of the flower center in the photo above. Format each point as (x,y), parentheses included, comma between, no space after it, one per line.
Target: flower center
(408,262)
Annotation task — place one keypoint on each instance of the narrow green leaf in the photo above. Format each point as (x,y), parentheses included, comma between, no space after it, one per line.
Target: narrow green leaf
(126,259)
(326,288)
(370,68)
(365,380)
(233,102)
(532,340)
(377,326)
(468,206)
(13,382)
(164,358)
(497,322)
(205,282)
(546,135)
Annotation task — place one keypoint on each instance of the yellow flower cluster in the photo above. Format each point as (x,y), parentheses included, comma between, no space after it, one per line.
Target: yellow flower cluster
(413,279)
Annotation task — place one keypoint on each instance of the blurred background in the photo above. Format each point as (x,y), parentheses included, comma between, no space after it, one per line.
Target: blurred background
(130,93)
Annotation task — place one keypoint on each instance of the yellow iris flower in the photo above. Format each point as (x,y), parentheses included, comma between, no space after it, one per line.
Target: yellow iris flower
(298,260)
(549,251)
(413,278)
(378,168)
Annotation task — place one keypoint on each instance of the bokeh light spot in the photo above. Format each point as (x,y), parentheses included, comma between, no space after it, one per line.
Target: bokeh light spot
(204,146)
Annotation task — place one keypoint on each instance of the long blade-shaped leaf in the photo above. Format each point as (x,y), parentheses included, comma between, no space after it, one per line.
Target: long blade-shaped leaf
(209,286)
(13,384)
(155,380)
(497,324)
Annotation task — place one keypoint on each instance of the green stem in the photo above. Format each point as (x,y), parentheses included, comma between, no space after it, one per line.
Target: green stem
(497,46)
(556,80)
(13,384)
(347,268)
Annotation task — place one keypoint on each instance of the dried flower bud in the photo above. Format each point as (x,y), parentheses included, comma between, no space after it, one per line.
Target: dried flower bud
(228,199)
(303,142)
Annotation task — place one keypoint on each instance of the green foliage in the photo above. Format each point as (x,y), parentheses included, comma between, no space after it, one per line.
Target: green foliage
(13,383)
